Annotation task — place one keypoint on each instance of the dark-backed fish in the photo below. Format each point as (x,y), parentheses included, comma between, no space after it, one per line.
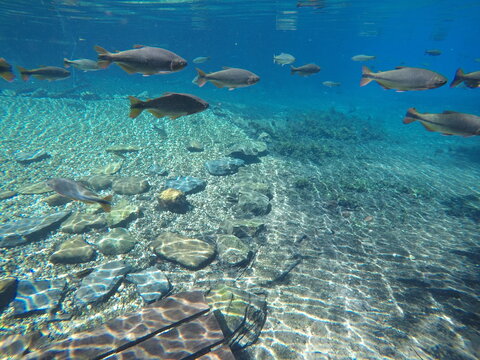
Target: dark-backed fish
(6,70)
(230,78)
(447,123)
(331,83)
(76,191)
(169,104)
(283,59)
(305,70)
(363,57)
(433,52)
(201,59)
(472,80)
(404,78)
(82,64)
(50,73)
(145,60)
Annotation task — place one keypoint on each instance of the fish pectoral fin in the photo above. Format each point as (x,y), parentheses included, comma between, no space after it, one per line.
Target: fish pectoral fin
(176,116)
(428,126)
(217,84)
(127,68)
(156,113)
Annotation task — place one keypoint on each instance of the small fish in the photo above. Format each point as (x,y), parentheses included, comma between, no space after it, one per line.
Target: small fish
(145,60)
(230,78)
(50,73)
(169,104)
(404,78)
(283,59)
(82,64)
(433,52)
(477,60)
(201,59)
(447,123)
(331,83)
(76,191)
(305,70)
(472,80)
(363,57)
(6,70)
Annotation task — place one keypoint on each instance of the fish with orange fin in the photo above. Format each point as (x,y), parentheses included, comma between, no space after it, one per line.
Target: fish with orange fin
(472,80)
(145,60)
(6,70)
(447,123)
(76,191)
(50,73)
(169,104)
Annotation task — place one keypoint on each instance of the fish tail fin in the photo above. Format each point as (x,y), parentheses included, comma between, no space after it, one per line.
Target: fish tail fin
(292,70)
(411,116)
(200,79)
(366,76)
(459,76)
(7,74)
(24,73)
(66,62)
(104,57)
(135,110)
(106,203)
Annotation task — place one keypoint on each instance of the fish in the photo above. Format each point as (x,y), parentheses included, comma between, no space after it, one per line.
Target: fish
(283,59)
(145,60)
(363,57)
(433,52)
(331,83)
(477,60)
(50,73)
(447,122)
(173,105)
(230,78)
(201,59)
(305,70)
(82,64)
(404,78)
(74,190)
(6,70)
(472,80)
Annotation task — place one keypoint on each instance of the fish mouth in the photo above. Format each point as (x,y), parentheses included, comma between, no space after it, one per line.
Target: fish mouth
(253,80)
(179,64)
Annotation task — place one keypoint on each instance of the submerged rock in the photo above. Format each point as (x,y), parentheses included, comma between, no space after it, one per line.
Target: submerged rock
(100,182)
(243,228)
(152,284)
(109,169)
(8,289)
(122,214)
(79,223)
(233,251)
(7,194)
(73,251)
(249,152)
(173,200)
(57,200)
(37,188)
(130,185)
(253,203)
(117,241)
(122,149)
(25,230)
(157,169)
(195,146)
(38,295)
(186,184)
(99,284)
(226,166)
(26,157)
(189,252)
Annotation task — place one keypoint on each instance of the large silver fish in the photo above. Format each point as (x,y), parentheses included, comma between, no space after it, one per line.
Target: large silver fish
(145,60)
(76,191)
(472,80)
(447,123)
(305,70)
(404,78)
(230,78)
(82,64)
(50,73)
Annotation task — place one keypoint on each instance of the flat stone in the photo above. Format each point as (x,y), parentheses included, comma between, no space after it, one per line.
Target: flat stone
(8,289)
(186,184)
(130,185)
(123,149)
(98,285)
(250,186)
(232,250)
(13,347)
(57,200)
(37,188)
(7,194)
(188,252)
(73,251)
(221,167)
(195,146)
(109,169)
(253,203)
(26,157)
(243,228)
(79,223)
(100,182)
(249,152)
(19,232)
(152,284)
(38,295)
(117,241)
(122,214)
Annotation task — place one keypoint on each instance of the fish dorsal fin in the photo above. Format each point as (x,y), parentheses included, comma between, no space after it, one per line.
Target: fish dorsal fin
(450,112)
(138,46)
(226,67)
